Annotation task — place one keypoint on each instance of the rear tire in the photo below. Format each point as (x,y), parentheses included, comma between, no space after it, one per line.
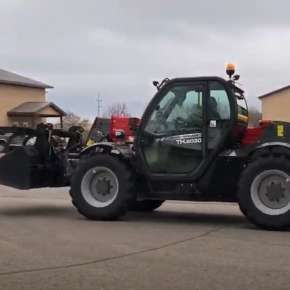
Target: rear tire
(264,195)
(145,205)
(101,188)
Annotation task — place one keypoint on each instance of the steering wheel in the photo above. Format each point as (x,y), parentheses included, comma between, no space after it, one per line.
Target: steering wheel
(181,123)
(161,125)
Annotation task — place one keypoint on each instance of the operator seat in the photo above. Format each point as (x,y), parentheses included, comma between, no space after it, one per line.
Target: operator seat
(212,112)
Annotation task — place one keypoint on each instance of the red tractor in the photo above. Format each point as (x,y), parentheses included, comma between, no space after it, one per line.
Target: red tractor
(116,129)
(193,143)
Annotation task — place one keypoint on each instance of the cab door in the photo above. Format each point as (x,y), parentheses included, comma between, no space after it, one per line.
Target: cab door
(184,127)
(172,138)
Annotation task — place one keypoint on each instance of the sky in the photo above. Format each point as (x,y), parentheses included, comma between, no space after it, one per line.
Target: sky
(115,49)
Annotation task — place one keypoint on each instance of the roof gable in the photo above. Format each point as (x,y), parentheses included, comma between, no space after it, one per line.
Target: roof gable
(36,108)
(274,92)
(10,78)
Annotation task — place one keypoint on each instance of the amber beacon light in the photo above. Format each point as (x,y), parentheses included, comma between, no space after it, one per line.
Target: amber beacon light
(230,69)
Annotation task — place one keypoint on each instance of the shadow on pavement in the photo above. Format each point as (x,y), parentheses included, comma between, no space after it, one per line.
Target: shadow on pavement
(163,216)
(39,211)
(189,218)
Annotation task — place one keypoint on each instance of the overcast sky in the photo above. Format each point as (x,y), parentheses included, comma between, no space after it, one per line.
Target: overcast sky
(116,48)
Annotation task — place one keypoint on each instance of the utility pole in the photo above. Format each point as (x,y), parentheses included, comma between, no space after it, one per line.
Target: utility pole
(99,105)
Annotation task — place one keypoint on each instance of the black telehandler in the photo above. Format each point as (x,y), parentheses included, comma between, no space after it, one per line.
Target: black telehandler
(193,143)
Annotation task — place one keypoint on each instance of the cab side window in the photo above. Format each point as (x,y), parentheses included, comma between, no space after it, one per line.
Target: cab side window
(218,104)
(218,113)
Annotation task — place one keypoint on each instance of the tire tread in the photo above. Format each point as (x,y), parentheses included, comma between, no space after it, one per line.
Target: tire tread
(256,163)
(127,192)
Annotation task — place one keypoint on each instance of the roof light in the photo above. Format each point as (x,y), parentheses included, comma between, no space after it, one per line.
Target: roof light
(230,69)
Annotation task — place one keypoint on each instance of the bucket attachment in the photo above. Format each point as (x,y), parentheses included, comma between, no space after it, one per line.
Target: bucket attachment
(37,158)
(21,169)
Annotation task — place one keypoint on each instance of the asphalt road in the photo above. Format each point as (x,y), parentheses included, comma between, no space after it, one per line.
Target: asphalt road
(46,244)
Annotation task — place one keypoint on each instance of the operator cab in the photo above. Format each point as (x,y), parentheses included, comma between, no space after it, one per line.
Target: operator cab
(188,122)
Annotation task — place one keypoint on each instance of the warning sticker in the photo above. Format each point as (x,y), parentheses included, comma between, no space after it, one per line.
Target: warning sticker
(280,130)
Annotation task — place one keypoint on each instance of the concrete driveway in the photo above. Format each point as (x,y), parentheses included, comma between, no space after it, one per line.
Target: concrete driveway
(46,244)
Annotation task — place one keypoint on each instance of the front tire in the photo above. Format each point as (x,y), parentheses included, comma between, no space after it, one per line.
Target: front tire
(264,195)
(101,188)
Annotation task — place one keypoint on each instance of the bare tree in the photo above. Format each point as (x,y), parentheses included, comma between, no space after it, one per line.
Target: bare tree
(71,119)
(254,117)
(117,109)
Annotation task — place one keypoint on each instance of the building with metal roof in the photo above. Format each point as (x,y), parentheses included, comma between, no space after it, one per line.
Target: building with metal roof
(23,101)
(11,78)
(276,104)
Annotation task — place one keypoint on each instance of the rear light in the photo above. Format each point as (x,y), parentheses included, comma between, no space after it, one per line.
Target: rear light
(252,135)
(131,139)
(264,123)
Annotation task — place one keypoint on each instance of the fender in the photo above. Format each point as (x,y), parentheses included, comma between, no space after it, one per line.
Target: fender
(108,148)
(270,144)
(103,147)
(285,147)
(246,152)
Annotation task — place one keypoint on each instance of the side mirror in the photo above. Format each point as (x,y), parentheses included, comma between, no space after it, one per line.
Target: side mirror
(236,77)
(240,97)
(155,84)
(159,85)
